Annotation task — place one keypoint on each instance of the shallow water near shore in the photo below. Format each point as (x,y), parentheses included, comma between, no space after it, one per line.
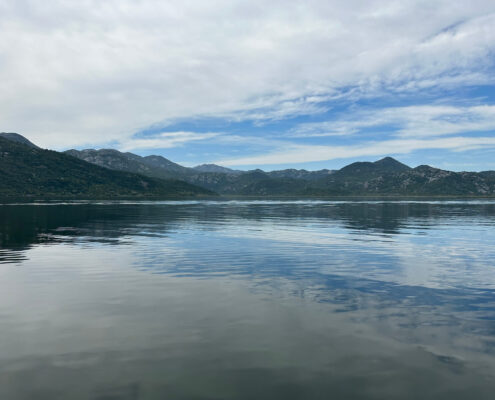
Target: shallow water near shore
(247,300)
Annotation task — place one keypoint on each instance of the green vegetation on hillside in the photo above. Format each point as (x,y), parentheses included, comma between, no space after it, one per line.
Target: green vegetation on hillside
(30,172)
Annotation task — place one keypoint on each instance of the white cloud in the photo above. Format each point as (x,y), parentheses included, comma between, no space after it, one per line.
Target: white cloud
(294,154)
(89,72)
(410,121)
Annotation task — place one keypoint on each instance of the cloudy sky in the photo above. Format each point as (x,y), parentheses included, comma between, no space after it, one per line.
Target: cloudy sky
(270,84)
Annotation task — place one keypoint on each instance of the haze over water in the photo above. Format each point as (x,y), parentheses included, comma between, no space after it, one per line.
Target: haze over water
(247,300)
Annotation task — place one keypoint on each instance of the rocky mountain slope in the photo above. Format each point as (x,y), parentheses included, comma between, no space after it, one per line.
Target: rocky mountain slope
(27,171)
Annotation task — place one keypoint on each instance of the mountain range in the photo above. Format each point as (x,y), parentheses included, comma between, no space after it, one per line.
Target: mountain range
(28,170)
(383,177)
(213,177)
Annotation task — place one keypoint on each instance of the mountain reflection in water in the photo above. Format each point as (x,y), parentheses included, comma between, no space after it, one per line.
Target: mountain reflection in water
(247,299)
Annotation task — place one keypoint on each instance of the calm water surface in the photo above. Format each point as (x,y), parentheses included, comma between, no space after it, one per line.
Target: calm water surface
(247,300)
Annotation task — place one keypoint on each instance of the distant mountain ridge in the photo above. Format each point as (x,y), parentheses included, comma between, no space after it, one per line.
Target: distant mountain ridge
(383,166)
(210,176)
(215,168)
(386,176)
(154,166)
(26,171)
(403,180)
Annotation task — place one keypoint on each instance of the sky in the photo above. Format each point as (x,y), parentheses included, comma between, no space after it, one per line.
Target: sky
(254,84)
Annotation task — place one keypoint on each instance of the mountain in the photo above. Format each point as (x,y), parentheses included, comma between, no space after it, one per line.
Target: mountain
(387,165)
(216,168)
(387,177)
(27,171)
(15,137)
(153,166)
(210,176)
(301,174)
(163,164)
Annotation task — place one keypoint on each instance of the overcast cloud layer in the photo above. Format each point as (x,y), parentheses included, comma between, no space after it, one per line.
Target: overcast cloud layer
(252,83)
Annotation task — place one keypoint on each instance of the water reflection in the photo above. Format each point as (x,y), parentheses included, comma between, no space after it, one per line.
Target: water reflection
(22,225)
(247,300)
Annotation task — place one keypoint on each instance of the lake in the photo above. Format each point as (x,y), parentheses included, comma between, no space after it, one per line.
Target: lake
(247,300)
